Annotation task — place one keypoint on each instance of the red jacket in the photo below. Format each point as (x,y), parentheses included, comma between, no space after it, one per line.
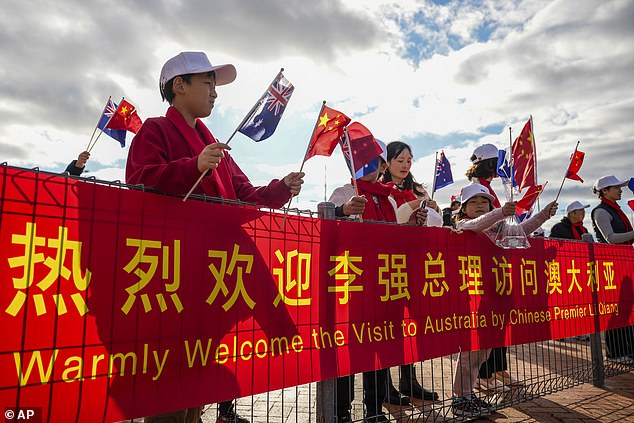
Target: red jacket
(164,155)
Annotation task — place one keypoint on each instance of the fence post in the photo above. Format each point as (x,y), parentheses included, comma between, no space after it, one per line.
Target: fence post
(326,389)
(598,370)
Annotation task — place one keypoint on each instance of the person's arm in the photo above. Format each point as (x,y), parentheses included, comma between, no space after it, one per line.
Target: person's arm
(346,203)
(537,220)
(76,167)
(149,162)
(73,170)
(603,220)
(482,223)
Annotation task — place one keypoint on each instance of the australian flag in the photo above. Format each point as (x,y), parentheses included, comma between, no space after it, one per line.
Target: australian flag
(443,172)
(504,167)
(263,118)
(108,112)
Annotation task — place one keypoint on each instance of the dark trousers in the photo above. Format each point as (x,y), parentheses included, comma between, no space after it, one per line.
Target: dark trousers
(345,395)
(374,392)
(619,342)
(495,363)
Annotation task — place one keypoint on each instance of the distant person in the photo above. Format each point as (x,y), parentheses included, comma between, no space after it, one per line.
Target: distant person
(484,169)
(571,225)
(448,212)
(76,167)
(612,226)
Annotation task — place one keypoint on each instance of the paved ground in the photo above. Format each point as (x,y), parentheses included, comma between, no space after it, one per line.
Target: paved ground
(557,390)
(584,403)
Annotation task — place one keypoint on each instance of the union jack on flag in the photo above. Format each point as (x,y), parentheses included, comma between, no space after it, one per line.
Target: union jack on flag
(279,93)
(263,118)
(106,115)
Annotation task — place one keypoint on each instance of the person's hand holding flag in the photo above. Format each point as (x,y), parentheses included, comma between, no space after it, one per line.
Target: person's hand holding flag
(294,181)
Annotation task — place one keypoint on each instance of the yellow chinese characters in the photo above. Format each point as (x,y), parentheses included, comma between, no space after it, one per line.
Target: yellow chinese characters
(345,270)
(574,272)
(241,265)
(57,265)
(471,271)
(553,275)
(151,259)
(435,282)
(528,273)
(503,282)
(608,273)
(396,281)
(297,264)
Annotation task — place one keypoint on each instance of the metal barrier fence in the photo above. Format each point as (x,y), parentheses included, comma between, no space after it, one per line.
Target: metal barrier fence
(541,369)
(535,370)
(532,371)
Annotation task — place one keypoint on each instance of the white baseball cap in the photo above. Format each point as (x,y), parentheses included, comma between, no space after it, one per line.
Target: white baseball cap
(576,205)
(195,62)
(473,190)
(483,152)
(383,149)
(608,181)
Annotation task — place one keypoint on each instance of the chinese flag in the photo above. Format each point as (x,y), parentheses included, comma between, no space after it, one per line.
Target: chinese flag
(327,133)
(529,198)
(363,145)
(125,117)
(524,157)
(575,164)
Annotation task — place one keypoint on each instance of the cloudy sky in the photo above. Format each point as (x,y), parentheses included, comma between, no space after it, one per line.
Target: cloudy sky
(435,74)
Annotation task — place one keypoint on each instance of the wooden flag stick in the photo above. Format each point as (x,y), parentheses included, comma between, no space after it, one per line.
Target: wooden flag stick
(354,179)
(303,161)
(97,125)
(566,172)
(511,161)
(433,187)
(202,175)
(95,141)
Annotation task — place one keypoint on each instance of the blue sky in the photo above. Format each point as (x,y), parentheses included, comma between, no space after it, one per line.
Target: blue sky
(438,75)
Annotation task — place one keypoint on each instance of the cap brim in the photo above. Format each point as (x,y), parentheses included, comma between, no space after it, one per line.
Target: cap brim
(225,74)
(479,194)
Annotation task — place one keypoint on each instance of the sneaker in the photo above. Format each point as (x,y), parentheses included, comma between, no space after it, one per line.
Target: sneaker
(484,405)
(231,417)
(468,407)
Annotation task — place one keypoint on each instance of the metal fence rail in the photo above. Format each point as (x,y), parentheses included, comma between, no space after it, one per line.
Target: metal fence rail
(543,368)
(540,368)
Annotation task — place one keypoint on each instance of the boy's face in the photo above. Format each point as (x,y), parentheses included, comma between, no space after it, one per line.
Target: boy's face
(199,95)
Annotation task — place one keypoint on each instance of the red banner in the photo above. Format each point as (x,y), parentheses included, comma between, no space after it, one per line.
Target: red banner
(116,303)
